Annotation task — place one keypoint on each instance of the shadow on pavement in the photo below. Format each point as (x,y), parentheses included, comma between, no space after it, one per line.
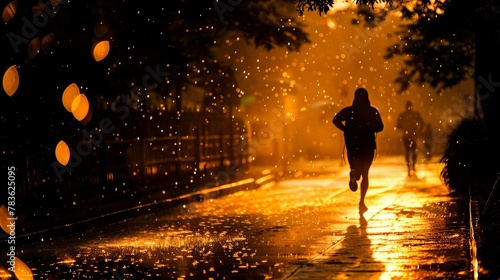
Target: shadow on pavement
(355,255)
(353,260)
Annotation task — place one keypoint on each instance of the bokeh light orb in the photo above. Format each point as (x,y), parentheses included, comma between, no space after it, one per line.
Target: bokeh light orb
(63,153)
(10,81)
(22,271)
(33,48)
(9,11)
(101,50)
(80,107)
(4,216)
(69,94)
(48,42)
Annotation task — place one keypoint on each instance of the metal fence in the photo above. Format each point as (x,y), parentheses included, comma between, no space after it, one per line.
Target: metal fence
(174,158)
(193,151)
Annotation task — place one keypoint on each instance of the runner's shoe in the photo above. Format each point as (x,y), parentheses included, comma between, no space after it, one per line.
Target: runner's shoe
(362,208)
(353,185)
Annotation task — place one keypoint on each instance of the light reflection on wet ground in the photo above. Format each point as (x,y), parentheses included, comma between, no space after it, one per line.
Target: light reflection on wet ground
(415,237)
(310,224)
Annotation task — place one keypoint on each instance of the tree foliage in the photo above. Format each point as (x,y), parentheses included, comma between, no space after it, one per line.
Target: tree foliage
(323,6)
(165,48)
(437,40)
(436,52)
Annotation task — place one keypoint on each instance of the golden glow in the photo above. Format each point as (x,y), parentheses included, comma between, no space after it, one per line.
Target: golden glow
(331,24)
(4,274)
(68,261)
(340,6)
(22,271)
(80,107)
(4,215)
(101,50)
(392,241)
(9,11)
(69,94)
(11,80)
(62,153)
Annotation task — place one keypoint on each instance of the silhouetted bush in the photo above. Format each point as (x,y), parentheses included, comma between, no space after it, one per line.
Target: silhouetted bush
(470,157)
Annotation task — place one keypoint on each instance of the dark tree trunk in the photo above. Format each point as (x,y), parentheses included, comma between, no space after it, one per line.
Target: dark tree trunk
(487,92)
(487,75)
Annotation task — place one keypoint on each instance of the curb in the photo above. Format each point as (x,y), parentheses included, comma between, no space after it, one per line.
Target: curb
(473,218)
(169,203)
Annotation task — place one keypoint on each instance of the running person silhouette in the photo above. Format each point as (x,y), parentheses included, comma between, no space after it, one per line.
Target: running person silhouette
(359,122)
(411,124)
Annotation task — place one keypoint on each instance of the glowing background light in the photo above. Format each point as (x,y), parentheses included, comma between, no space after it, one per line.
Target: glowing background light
(10,81)
(62,153)
(9,11)
(101,50)
(80,107)
(69,94)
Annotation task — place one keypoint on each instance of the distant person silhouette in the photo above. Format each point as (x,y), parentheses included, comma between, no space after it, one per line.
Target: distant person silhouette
(411,124)
(359,122)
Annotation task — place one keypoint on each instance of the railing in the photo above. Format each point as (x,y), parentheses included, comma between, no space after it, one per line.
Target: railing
(201,149)
(173,158)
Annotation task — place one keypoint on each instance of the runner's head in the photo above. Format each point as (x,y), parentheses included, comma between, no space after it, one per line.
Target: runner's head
(361,98)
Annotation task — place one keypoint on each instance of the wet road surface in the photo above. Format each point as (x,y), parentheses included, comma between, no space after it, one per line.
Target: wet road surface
(305,228)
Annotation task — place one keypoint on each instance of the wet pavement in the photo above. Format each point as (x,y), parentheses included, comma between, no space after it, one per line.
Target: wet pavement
(305,227)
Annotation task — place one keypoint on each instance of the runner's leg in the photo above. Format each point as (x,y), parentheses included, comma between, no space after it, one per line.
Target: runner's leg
(366,163)
(413,154)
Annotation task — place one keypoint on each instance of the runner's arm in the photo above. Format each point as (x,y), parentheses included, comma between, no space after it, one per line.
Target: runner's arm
(339,120)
